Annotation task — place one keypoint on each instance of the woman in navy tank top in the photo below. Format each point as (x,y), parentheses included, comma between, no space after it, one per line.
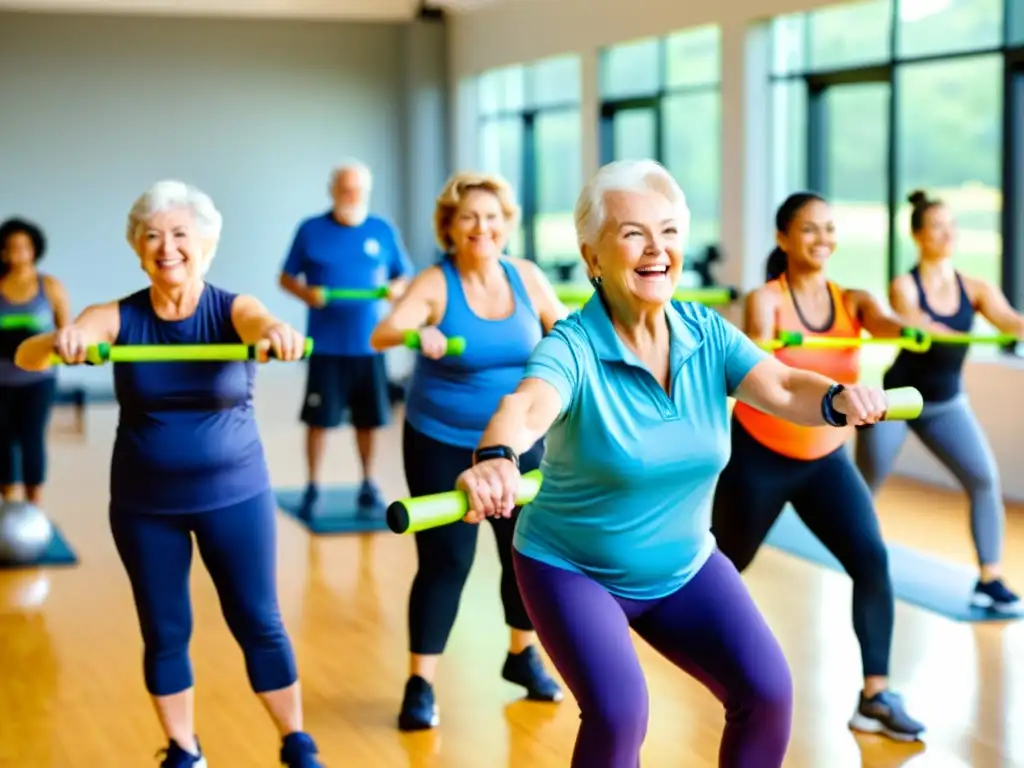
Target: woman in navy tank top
(26,397)
(937,298)
(187,462)
(502,307)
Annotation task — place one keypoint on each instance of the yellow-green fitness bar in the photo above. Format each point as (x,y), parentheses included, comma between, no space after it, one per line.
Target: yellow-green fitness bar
(353,294)
(577,295)
(912,340)
(19,323)
(98,354)
(424,512)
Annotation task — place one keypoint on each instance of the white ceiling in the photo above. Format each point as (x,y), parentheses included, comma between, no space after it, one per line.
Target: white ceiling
(364,10)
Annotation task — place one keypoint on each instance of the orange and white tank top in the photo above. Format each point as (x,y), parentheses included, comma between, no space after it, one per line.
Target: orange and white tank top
(841,365)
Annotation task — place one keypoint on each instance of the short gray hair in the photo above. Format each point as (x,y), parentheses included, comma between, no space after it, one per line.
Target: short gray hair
(359,167)
(171,195)
(625,176)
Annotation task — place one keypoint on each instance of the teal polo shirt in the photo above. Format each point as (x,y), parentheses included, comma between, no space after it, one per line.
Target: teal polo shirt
(629,471)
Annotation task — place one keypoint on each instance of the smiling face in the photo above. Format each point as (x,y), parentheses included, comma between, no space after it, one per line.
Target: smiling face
(938,234)
(19,251)
(478,227)
(639,255)
(810,239)
(171,250)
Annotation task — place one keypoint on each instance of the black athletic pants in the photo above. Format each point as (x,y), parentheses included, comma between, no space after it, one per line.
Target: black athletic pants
(446,553)
(833,500)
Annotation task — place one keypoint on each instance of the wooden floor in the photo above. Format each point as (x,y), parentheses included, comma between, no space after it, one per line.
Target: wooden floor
(71,693)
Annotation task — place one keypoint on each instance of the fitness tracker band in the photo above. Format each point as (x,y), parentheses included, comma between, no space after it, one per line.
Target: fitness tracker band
(831,416)
(495,452)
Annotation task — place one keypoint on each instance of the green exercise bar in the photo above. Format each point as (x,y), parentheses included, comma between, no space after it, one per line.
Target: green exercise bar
(905,404)
(98,354)
(795,339)
(424,512)
(20,323)
(354,294)
(456,344)
(1001,339)
(579,294)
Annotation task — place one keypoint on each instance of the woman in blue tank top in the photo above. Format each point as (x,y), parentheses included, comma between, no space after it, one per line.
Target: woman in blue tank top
(187,462)
(936,297)
(26,397)
(502,307)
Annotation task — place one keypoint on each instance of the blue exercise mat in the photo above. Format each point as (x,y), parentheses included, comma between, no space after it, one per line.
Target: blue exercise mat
(918,579)
(58,553)
(339,511)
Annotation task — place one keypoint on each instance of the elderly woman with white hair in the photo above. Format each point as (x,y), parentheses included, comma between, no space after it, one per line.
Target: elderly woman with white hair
(187,461)
(631,393)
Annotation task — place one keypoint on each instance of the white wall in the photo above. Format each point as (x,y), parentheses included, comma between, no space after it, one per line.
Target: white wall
(96,108)
(525,30)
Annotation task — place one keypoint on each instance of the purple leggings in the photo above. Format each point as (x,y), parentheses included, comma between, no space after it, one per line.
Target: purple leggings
(710,628)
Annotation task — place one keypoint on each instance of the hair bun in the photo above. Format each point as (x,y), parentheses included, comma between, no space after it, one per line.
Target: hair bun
(918,198)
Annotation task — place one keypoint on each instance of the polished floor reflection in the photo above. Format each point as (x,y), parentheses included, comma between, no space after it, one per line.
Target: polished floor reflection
(71,693)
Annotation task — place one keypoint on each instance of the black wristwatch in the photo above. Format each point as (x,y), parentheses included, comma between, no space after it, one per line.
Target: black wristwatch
(831,416)
(495,452)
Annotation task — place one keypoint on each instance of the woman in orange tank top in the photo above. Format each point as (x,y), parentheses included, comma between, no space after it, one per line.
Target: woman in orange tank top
(775,462)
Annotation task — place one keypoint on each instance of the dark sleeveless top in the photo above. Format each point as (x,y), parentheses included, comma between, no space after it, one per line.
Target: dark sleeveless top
(186,439)
(10,339)
(937,372)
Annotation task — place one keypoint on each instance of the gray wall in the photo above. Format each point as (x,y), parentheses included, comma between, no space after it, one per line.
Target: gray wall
(95,108)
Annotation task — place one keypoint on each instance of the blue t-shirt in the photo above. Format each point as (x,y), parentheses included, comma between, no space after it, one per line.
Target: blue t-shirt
(629,471)
(187,439)
(452,399)
(333,255)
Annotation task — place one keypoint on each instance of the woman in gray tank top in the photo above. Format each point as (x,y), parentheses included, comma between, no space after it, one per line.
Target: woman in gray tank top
(30,302)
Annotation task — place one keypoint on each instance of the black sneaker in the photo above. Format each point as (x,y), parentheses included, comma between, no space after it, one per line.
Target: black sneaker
(309,507)
(419,709)
(298,750)
(370,497)
(176,757)
(527,669)
(884,713)
(994,596)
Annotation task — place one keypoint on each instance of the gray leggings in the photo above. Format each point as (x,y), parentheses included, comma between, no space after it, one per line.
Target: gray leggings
(951,432)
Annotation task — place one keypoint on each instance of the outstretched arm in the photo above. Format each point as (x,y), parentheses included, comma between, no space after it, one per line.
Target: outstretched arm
(994,307)
(98,324)
(417,308)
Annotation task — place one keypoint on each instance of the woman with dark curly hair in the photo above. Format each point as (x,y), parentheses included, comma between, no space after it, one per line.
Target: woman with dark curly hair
(30,302)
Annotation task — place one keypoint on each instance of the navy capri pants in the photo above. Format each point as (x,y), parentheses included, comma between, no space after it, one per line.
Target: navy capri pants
(238,546)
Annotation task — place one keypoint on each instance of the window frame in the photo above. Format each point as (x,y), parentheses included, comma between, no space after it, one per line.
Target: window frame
(1012,129)
(610,107)
(528,115)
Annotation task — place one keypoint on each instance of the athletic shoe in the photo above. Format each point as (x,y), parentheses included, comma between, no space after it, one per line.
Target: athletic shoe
(370,496)
(527,669)
(884,713)
(419,708)
(994,596)
(176,757)
(309,507)
(298,750)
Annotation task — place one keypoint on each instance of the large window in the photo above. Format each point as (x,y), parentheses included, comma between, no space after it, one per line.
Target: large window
(872,100)
(530,134)
(660,100)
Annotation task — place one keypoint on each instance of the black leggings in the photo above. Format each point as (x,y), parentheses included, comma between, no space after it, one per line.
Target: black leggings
(24,416)
(446,553)
(833,500)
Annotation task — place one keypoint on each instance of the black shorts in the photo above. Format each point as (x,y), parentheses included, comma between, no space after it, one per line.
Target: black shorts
(337,385)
